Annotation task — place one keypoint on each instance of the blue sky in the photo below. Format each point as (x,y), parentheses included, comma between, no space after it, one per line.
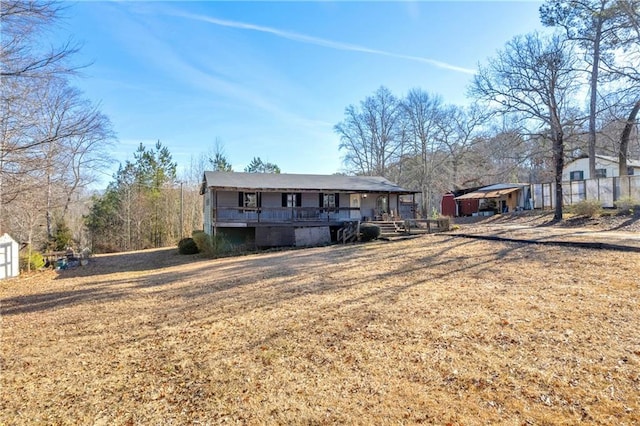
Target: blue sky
(271,79)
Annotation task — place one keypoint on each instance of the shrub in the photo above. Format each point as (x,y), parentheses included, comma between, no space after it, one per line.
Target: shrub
(221,245)
(31,263)
(369,231)
(627,205)
(210,245)
(203,242)
(588,208)
(187,246)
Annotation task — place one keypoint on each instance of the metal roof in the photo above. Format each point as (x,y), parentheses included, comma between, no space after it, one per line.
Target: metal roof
(487,194)
(498,186)
(283,182)
(492,191)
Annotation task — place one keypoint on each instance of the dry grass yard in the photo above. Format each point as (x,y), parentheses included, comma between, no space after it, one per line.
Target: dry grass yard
(435,330)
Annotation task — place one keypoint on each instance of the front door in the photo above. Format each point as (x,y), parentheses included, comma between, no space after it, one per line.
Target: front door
(354,203)
(382,205)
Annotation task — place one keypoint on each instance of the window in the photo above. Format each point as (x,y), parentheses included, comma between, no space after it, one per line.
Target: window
(329,201)
(601,173)
(576,175)
(630,171)
(248,199)
(292,200)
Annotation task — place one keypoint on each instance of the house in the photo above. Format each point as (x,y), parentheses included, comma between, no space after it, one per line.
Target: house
(488,200)
(268,210)
(606,167)
(606,186)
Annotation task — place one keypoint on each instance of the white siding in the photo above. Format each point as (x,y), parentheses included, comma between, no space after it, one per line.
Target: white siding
(582,164)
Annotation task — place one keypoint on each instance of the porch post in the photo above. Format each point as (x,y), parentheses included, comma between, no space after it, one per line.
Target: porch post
(413,205)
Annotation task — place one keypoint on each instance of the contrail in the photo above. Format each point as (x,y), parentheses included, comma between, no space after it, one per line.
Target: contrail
(323,42)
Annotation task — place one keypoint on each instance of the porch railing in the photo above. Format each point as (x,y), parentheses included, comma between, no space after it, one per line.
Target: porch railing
(284,214)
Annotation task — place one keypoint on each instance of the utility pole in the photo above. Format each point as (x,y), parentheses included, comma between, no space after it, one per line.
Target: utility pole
(181,210)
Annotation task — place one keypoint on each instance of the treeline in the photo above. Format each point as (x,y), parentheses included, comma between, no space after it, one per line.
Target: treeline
(52,139)
(147,205)
(528,109)
(138,209)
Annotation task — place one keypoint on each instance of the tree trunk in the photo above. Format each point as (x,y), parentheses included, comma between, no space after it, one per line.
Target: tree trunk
(594,98)
(454,178)
(2,214)
(558,162)
(48,207)
(624,139)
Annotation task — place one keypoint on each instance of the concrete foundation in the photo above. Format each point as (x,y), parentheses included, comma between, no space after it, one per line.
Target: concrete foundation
(314,236)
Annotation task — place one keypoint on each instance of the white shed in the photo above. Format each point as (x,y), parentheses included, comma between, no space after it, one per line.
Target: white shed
(9,266)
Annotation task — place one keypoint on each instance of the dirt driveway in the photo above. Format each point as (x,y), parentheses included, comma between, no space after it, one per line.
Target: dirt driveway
(618,233)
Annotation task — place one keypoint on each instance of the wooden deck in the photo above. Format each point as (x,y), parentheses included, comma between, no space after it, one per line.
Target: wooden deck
(392,228)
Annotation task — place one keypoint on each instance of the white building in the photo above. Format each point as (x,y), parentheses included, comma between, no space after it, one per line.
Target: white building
(9,266)
(606,167)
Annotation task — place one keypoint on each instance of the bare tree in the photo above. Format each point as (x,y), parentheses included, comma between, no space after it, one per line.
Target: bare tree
(27,223)
(49,136)
(371,135)
(534,77)
(24,61)
(192,207)
(421,112)
(460,130)
(69,137)
(599,27)
(23,52)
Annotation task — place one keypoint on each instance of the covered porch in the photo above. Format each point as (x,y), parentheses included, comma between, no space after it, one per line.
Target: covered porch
(305,208)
